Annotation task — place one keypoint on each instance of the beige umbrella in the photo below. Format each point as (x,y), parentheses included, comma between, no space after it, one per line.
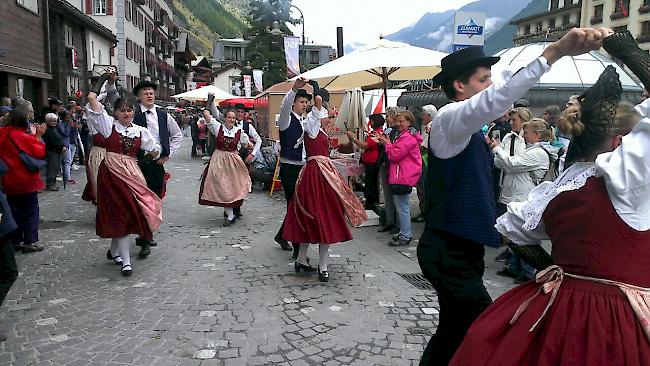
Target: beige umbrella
(377,64)
(202,94)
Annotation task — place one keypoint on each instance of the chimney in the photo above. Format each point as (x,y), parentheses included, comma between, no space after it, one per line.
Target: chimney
(339,41)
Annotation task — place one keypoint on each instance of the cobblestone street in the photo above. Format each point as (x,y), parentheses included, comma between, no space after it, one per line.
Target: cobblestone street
(213,296)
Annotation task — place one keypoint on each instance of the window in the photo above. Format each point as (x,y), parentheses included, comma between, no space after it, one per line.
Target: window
(598,11)
(538,28)
(646,2)
(69,39)
(645,28)
(566,19)
(622,6)
(527,29)
(551,23)
(555,4)
(140,21)
(127,10)
(128,49)
(620,29)
(99,57)
(31,5)
(232,53)
(314,58)
(99,7)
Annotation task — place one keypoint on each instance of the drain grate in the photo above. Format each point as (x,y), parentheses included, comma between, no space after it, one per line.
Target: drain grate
(417,280)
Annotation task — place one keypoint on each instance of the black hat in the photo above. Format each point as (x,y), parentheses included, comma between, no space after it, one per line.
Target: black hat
(302,93)
(460,61)
(144,84)
(522,103)
(55,101)
(598,104)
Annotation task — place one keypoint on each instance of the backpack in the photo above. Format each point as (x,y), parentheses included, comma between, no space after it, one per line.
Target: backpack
(551,173)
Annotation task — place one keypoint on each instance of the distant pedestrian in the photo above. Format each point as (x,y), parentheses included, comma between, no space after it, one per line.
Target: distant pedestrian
(53,151)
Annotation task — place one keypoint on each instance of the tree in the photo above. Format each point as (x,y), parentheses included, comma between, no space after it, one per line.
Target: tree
(265,50)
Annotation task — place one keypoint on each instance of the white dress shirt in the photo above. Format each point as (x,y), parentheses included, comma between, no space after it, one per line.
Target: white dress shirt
(456,122)
(175,133)
(253,135)
(284,120)
(215,126)
(626,172)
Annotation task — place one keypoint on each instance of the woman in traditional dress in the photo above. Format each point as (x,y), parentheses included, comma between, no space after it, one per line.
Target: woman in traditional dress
(322,199)
(124,203)
(225,181)
(592,306)
(97,152)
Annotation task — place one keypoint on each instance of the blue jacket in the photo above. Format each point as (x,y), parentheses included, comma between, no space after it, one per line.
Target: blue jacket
(66,131)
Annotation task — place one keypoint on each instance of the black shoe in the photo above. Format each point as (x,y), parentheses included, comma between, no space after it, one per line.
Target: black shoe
(384,229)
(394,231)
(521,279)
(503,256)
(139,242)
(52,188)
(285,245)
(2,337)
(115,260)
(31,248)
(508,273)
(323,276)
(238,215)
(229,222)
(152,243)
(399,242)
(144,251)
(127,270)
(303,267)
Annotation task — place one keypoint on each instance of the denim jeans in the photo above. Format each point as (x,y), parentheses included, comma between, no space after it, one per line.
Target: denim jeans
(516,265)
(404,214)
(68,157)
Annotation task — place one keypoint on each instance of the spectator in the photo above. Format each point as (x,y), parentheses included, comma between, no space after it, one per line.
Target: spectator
(4,111)
(390,222)
(20,184)
(522,103)
(369,159)
(8,267)
(194,126)
(572,102)
(53,150)
(429,112)
(203,136)
(552,115)
(524,171)
(405,168)
(54,105)
(68,134)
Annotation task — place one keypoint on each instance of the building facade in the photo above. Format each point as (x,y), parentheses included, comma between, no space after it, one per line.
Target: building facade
(561,16)
(620,15)
(146,38)
(77,44)
(24,61)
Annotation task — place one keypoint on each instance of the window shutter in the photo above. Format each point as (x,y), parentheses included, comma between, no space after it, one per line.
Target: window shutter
(89,6)
(127,9)
(109,7)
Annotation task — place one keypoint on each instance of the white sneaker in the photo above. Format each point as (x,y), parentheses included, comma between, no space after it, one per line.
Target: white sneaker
(59,179)
(75,167)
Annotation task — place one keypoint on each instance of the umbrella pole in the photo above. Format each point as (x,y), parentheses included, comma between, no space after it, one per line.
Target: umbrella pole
(384,80)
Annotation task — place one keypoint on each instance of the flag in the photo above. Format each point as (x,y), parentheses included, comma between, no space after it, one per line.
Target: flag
(257,80)
(291,52)
(247,86)
(380,105)
(623,8)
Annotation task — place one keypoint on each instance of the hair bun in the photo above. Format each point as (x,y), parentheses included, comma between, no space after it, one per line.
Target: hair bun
(570,123)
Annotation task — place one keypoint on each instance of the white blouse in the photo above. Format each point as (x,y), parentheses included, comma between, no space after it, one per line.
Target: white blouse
(103,123)
(311,124)
(626,172)
(215,126)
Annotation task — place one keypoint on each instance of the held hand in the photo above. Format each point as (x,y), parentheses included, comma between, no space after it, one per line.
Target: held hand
(210,98)
(40,129)
(576,42)
(162,160)
(299,83)
(207,115)
(494,143)
(249,158)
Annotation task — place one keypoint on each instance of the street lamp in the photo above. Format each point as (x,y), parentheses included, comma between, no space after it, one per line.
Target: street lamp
(302,20)
(275,28)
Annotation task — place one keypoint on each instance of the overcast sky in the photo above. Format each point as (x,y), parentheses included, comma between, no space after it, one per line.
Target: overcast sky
(363,21)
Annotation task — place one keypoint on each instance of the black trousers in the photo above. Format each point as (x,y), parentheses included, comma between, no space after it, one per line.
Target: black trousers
(195,143)
(8,267)
(154,174)
(371,185)
(53,164)
(454,266)
(289,176)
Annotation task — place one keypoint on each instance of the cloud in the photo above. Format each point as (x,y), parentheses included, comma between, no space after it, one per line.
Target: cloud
(351,47)
(491,24)
(437,34)
(445,43)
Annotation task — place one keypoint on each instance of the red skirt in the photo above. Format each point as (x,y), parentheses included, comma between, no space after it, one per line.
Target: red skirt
(589,324)
(322,220)
(118,213)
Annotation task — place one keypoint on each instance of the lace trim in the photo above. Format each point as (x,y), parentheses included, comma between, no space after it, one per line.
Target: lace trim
(534,209)
(130,132)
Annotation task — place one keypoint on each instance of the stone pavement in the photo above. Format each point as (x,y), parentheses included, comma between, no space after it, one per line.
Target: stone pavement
(213,296)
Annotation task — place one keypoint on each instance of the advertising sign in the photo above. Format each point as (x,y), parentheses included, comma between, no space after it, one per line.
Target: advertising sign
(469,30)
(291,52)
(247,86)
(257,79)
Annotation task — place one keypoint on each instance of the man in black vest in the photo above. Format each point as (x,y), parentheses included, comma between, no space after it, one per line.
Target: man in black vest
(461,211)
(166,132)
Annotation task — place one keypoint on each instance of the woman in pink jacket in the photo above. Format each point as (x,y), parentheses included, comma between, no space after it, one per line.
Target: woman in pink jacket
(404,171)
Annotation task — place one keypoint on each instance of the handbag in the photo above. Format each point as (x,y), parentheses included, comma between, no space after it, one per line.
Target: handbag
(31,163)
(399,189)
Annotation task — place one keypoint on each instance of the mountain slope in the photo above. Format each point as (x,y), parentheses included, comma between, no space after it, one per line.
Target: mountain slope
(207,20)
(502,38)
(435,30)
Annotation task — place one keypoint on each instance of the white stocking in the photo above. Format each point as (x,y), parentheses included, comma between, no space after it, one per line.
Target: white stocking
(229,212)
(323,256)
(114,248)
(124,246)
(302,253)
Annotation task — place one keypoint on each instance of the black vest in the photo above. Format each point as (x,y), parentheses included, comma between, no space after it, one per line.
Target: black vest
(288,139)
(141,120)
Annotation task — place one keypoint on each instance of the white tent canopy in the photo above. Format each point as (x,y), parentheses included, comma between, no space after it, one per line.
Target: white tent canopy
(202,94)
(580,71)
(395,60)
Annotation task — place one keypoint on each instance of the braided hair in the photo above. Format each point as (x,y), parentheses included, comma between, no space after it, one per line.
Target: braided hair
(599,117)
